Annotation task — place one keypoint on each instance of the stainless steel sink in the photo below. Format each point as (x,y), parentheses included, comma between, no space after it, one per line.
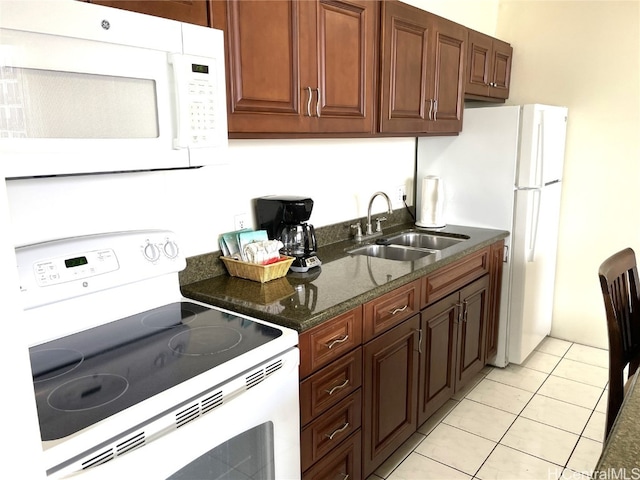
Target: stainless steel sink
(424,240)
(408,246)
(391,252)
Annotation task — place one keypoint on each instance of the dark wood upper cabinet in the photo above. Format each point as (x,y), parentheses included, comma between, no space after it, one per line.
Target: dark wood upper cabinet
(488,72)
(195,11)
(422,71)
(299,67)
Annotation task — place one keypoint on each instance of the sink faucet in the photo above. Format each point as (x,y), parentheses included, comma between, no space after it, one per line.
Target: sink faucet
(389,211)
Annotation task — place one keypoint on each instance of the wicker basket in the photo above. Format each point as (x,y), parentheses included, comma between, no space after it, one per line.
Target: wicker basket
(255,272)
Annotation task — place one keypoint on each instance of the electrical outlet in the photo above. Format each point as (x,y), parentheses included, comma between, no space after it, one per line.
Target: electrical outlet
(240,221)
(400,193)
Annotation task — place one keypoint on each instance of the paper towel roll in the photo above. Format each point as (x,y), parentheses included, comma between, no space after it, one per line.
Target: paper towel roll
(431,207)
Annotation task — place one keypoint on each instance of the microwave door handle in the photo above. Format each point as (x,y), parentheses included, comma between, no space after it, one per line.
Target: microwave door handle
(181,93)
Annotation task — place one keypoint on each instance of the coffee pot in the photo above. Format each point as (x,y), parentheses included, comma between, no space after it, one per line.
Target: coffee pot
(285,219)
(298,240)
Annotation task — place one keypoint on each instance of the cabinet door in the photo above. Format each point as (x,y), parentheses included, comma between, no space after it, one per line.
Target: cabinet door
(439,330)
(390,389)
(474,299)
(493,323)
(263,65)
(488,71)
(341,71)
(501,73)
(479,57)
(422,71)
(450,44)
(195,11)
(404,104)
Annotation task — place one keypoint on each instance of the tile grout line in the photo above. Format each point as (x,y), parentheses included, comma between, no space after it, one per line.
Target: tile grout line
(517,416)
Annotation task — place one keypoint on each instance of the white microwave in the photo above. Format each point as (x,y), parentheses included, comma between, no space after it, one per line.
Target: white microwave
(90,89)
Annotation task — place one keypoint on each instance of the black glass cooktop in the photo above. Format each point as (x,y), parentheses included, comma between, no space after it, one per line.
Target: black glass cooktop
(89,376)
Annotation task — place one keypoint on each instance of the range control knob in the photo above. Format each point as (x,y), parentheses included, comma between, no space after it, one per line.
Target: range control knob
(151,252)
(171,249)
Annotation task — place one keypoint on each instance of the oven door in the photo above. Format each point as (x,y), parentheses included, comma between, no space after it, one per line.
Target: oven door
(255,435)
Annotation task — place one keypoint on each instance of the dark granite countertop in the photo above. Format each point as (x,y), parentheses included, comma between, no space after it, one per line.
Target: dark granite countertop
(621,453)
(301,301)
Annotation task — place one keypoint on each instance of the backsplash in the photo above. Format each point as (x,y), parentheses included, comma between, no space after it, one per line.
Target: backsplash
(201,267)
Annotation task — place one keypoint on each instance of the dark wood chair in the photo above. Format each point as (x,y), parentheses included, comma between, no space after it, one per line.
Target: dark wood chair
(619,282)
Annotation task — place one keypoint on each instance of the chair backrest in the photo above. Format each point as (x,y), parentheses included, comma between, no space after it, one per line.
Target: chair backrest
(619,282)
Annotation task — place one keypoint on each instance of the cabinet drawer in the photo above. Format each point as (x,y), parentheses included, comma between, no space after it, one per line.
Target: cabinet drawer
(327,431)
(343,462)
(324,343)
(390,309)
(455,276)
(328,386)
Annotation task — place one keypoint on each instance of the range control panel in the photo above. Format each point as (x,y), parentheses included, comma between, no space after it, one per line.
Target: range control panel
(65,269)
(62,269)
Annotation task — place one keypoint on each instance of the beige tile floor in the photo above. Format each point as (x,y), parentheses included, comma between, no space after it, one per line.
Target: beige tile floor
(541,420)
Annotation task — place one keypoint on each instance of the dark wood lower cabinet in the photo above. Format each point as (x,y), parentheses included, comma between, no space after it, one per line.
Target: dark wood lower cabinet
(474,301)
(453,344)
(341,463)
(372,375)
(439,325)
(496,259)
(390,387)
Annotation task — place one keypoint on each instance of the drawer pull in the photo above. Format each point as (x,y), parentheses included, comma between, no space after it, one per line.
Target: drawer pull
(338,387)
(398,310)
(341,429)
(338,340)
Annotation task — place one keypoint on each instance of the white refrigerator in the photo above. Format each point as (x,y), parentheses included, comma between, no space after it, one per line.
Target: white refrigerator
(504,171)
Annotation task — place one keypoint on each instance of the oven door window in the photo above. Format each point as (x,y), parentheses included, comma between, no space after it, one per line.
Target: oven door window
(248,455)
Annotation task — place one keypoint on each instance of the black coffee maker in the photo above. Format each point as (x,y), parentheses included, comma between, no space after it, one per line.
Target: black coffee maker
(285,219)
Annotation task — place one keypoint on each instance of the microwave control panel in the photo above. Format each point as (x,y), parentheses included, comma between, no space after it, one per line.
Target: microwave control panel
(199,102)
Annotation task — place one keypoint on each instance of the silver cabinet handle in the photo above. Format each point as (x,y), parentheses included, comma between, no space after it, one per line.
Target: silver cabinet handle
(338,387)
(309,95)
(341,429)
(430,109)
(338,340)
(318,102)
(465,311)
(398,310)
(419,330)
(435,110)
(459,305)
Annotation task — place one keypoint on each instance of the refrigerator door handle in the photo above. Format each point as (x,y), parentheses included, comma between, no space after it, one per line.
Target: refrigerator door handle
(533,226)
(540,152)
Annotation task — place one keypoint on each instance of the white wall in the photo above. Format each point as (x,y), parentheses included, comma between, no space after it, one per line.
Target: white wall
(585,55)
(480,15)
(340,176)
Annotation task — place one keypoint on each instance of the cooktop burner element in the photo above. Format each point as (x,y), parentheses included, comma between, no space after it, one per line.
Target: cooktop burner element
(53,362)
(88,376)
(84,393)
(206,341)
(169,317)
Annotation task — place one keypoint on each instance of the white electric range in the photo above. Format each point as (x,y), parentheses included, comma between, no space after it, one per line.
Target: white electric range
(130,376)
